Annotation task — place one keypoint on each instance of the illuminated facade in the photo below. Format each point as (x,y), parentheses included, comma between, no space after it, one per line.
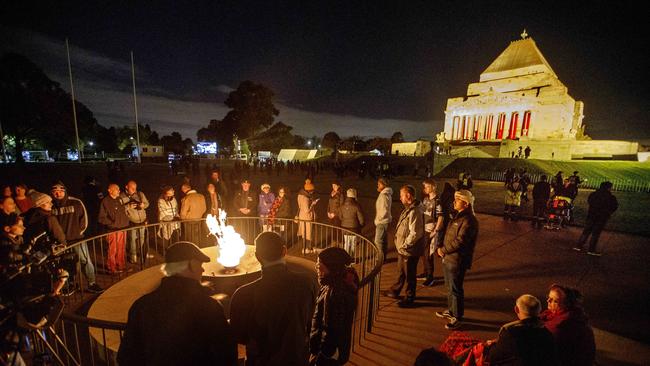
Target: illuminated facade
(518,97)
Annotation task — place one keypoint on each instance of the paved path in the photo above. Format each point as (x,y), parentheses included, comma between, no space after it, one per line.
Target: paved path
(512,259)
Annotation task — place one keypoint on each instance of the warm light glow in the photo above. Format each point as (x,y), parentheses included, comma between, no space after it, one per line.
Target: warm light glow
(231,245)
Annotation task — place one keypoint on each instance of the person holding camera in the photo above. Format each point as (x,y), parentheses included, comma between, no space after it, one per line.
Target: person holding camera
(41,224)
(136,205)
(72,216)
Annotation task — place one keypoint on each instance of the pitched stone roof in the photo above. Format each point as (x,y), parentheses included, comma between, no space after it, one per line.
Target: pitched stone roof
(520,54)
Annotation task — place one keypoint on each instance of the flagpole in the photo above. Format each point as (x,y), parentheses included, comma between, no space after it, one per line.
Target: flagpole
(74,108)
(135,109)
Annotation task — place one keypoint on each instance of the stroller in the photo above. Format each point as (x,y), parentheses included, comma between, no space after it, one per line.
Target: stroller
(558,211)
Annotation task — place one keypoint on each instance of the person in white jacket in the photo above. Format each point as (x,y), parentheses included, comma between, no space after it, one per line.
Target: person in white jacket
(382,214)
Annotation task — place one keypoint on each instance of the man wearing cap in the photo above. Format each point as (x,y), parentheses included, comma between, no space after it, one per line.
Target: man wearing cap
(272,315)
(136,204)
(383,214)
(245,201)
(331,327)
(112,215)
(178,323)
(409,242)
(192,208)
(72,216)
(457,252)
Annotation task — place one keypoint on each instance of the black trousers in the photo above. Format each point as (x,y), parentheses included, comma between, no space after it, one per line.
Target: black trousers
(593,228)
(407,266)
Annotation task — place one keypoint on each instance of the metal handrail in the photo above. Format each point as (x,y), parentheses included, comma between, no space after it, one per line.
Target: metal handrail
(367,256)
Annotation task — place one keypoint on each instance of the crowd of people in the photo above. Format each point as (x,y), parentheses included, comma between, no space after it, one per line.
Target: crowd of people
(431,228)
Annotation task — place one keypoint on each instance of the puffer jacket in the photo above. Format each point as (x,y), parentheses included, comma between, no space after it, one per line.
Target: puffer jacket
(351,215)
(460,239)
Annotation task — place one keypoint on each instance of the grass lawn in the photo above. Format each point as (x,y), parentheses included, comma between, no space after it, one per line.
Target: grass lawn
(627,173)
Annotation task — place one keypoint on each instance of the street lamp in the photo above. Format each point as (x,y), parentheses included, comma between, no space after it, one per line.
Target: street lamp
(309,143)
(90,143)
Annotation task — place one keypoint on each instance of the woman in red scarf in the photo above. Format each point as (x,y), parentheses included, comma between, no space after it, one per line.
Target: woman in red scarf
(568,323)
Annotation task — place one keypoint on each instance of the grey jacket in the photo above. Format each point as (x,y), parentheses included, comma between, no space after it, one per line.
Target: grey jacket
(135,215)
(409,233)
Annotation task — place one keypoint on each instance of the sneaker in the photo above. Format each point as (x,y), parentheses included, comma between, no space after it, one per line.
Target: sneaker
(577,249)
(444,314)
(95,289)
(595,254)
(390,294)
(453,323)
(421,276)
(150,256)
(133,259)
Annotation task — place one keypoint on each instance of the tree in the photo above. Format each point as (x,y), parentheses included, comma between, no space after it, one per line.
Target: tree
(380,143)
(275,138)
(397,137)
(217,131)
(252,109)
(174,143)
(36,111)
(330,140)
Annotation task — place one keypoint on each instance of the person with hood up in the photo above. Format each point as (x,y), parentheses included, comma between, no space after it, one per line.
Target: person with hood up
(306,213)
(351,219)
(331,330)
(383,214)
(73,218)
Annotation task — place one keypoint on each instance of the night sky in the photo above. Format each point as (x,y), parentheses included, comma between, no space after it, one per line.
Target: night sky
(368,70)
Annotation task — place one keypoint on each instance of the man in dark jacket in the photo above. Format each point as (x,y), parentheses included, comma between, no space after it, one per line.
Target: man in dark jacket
(409,242)
(525,341)
(40,224)
(457,252)
(272,315)
(112,215)
(178,323)
(541,194)
(245,201)
(602,205)
(331,328)
(219,186)
(72,216)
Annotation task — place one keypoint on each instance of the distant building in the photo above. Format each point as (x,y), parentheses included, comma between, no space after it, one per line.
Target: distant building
(520,101)
(296,154)
(152,151)
(416,148)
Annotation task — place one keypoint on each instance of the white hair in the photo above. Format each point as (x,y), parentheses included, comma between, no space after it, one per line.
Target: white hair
(529,305)
(174,268)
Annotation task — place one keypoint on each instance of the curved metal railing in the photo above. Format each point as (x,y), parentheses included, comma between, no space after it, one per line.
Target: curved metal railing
(85,339)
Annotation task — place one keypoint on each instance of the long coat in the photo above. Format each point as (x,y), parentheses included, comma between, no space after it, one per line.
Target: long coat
(192,205)
(305,212)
